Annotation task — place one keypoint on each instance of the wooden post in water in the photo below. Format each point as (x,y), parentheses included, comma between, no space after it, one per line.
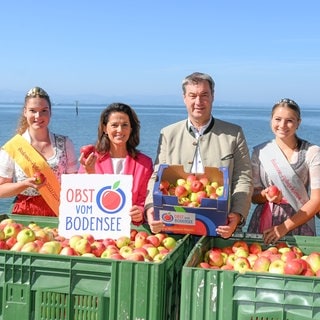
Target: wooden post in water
(77,109)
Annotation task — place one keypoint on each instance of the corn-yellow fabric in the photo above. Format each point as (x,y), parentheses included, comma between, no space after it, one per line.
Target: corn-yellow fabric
(30,162)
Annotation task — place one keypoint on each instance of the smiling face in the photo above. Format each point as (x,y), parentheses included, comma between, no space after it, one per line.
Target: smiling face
(198,99)
(118,128)
(284,122)
(37,112)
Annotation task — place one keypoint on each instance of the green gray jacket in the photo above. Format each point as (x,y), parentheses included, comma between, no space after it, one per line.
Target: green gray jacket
(222,144)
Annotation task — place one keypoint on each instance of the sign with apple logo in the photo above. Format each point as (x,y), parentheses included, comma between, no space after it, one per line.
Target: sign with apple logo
(97,204)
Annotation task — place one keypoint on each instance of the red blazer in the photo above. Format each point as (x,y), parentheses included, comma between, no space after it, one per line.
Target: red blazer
(141,169)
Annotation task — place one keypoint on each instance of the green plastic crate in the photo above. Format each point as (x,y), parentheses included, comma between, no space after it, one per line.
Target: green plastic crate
(227,295)
(53,287)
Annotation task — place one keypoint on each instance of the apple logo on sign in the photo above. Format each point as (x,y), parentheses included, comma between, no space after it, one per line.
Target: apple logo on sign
(111,199)
(166,217)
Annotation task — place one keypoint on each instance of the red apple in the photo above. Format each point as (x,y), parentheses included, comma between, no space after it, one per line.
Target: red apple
(261,264)
(293,266)
(298,252)
(68,251)
(89,237)
(201,195)
(180,191)
(142,251)
(97,247)
(140,240)
(133,233)
(196,186)
(204,265)
(204,180)
(255,247)
(227,250)
(252,258)
(161,236)
(226,267)
(87,150)
(3,245)
(108,241)
(109,251)
(215,258)
(190,178)
(135,257)
(308,272)
(288,255)
(164,185)
(11,241)
(313,260)
(240,244)
(273,191)
(281,244)
(155,241)
(115,256)
(39,177)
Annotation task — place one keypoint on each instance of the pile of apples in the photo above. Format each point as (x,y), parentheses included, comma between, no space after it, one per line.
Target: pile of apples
(140,246)
(191,190)
(279,259)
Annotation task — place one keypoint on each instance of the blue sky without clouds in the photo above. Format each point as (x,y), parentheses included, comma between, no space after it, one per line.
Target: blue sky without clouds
(257,51)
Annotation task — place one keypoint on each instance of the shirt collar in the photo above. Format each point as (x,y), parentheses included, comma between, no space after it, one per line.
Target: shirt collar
(193,129)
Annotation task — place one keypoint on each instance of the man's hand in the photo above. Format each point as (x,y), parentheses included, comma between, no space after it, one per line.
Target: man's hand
(227,230)
(156,226)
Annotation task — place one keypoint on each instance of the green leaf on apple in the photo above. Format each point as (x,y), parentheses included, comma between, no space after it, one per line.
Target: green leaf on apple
(116,185)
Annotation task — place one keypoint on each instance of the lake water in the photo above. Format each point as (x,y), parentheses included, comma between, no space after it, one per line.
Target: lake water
(82,128)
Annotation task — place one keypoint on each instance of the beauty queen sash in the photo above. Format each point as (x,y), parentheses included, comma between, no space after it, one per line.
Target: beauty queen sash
(282,174)
(31,161)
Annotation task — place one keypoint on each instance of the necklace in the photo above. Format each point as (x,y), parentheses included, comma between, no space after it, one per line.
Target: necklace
(40,147)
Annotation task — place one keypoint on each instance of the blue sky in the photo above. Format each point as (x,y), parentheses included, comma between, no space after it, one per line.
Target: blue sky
(140,50)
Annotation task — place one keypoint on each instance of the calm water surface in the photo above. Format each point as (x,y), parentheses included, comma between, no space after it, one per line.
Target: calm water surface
(82,128)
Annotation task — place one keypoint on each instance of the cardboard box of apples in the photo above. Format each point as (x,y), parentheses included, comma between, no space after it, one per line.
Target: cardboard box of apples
(191,203)
(255,281)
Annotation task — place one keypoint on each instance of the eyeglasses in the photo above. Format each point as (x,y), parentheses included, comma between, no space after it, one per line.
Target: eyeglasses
(288,101)
(37,91)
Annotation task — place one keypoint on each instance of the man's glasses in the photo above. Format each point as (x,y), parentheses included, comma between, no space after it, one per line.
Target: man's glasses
(37,91)
(288,101)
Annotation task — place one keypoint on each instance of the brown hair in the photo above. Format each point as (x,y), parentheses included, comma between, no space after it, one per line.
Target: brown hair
(103,142)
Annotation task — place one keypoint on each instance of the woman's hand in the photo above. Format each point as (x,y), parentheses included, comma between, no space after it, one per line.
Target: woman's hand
(136,214)
(274,234)
(275,198)
(88,163)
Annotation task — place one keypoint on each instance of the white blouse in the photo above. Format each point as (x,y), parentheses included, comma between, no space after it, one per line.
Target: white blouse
(118,165)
